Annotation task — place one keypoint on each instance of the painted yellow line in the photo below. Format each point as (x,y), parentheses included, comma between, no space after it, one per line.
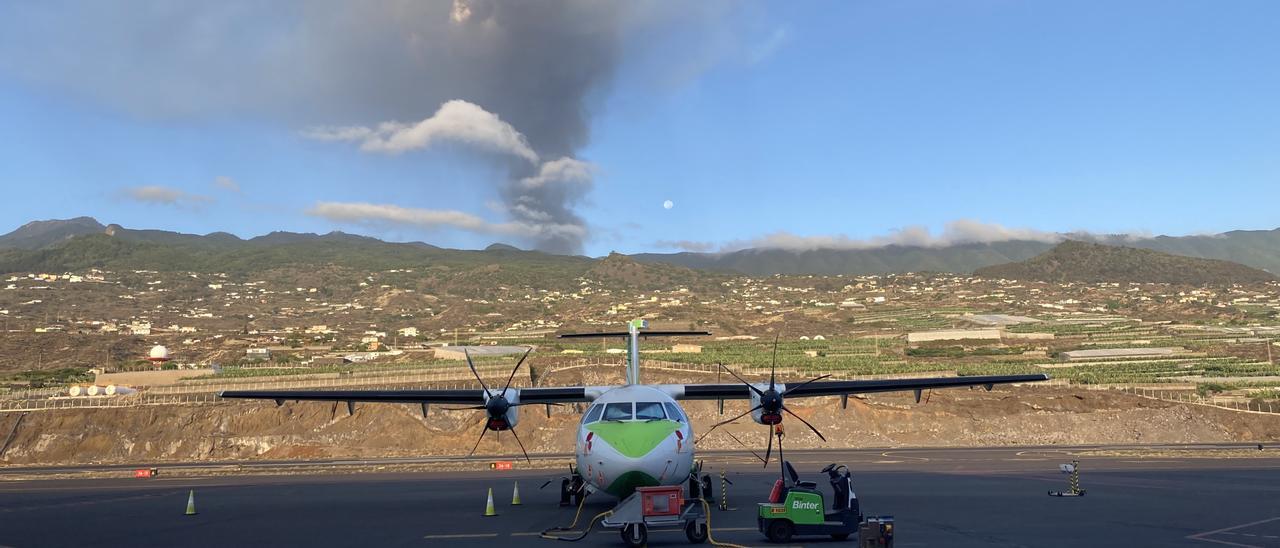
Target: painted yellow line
(472,535)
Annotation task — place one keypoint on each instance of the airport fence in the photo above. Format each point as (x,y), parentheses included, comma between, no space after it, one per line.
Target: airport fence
(148,399)
(1264,407)
(411,377)
(205,393)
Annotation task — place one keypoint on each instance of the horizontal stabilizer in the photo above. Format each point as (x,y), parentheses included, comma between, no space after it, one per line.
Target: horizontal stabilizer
(623,334)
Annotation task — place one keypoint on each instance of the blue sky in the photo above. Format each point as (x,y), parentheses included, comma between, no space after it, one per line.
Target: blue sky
(790,124)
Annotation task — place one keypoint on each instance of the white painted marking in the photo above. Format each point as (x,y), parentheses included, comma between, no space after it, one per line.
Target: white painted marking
(1227,530)
(461,535)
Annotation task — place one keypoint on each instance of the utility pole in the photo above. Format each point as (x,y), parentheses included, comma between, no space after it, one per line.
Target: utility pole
(1268,343)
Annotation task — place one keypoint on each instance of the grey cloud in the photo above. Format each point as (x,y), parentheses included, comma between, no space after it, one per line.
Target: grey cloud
(394,215)
(686,245)
(541,66)
(226,183)
(962,231)
(161,195)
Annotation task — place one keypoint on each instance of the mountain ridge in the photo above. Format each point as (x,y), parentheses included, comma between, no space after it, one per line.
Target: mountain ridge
(32,245)
(1076,261)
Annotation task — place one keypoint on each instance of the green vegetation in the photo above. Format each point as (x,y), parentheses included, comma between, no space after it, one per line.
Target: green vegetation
(1073,261)
(50,377)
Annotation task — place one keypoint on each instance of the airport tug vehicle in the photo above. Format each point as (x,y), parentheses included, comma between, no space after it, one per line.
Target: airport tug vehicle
(797,508)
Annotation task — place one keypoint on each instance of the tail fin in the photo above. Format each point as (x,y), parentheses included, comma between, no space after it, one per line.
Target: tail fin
(633,335)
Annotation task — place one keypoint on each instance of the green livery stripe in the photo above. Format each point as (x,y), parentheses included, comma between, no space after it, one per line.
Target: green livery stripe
(633,439)
(627,483)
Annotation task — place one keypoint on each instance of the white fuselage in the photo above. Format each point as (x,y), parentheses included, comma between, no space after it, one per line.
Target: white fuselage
(634,436)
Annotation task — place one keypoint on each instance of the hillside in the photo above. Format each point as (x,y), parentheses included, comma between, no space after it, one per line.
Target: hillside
(38,234)
(60,245)
(960,258)
(1256,248)
(1073,261)
(118,248)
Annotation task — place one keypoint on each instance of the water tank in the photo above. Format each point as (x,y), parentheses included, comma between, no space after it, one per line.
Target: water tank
(158,353)
(95,390)
(113,390)
(75,391)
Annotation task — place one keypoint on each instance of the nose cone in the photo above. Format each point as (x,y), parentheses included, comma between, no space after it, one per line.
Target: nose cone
(633,439)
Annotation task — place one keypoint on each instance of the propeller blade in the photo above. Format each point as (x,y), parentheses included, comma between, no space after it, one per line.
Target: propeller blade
(535,403)
(773,369)
(473,372)
(742,380)
(484,428)
(748,447)
(806,423)
(517,368)
(769,450)
(790,388)
(521,444)
(722,423)
(463,408)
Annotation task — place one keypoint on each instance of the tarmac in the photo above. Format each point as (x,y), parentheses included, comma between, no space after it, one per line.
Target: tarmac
(1174,496)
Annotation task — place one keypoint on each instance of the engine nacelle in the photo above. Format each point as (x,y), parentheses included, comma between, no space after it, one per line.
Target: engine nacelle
(498,419)
(767,416)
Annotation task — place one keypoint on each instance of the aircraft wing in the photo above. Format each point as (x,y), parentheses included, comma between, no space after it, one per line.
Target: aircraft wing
(840,388)
(473,396)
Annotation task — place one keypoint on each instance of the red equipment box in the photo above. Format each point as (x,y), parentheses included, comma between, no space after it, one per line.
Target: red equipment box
(662,501)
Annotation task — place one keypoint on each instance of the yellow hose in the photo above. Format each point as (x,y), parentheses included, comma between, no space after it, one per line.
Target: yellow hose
(707,508)
(585,532)
(582,501)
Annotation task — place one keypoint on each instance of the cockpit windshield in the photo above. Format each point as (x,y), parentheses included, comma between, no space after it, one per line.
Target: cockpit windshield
(618,411)
(673,412)
(593,414)
(649,411)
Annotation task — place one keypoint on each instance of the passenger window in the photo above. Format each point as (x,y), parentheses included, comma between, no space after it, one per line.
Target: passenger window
(620,411)
(649,411)
(673,412)
(593,414)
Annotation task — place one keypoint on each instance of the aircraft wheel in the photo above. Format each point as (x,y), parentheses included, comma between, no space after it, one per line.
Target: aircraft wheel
(635,535)
(780,530)
(696,532)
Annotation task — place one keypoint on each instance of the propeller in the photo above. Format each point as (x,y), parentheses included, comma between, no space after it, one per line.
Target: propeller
(496,405)
(772,403)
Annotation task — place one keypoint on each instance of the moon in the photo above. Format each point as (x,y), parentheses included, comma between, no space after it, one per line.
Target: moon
(668,204)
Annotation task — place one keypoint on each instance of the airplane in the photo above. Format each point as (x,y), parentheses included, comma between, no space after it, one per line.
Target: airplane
(635,434)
